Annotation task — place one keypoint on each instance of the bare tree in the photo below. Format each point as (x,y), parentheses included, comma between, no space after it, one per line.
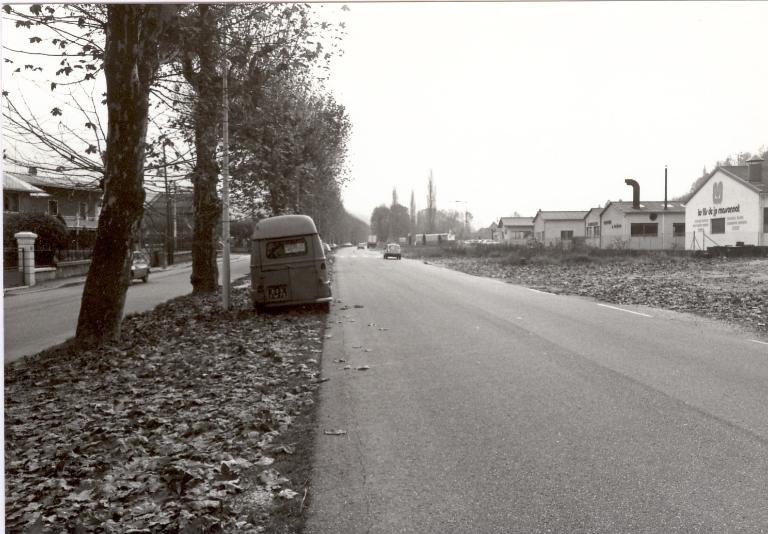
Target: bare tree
(132,56)
(431,203)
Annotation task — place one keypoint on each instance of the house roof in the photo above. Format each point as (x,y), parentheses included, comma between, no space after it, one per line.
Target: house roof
(561,215)
(83,183)
(740,173)
(647,206)
(594,211)
(12,183)
(515,221)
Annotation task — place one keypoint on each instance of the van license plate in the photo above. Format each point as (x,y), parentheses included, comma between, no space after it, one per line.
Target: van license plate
(277,292)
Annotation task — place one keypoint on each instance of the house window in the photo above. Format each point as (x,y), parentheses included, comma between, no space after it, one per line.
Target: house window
(10,201)
(83,210)
(644,229)
(566,235)
(53,207)
(678,229)
(765,220)
(593,231)
(718,226)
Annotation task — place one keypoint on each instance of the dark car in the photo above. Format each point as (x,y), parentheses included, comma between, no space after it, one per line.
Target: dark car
(392,251)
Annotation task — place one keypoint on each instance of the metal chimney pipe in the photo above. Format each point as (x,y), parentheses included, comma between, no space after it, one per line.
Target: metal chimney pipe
(635,192)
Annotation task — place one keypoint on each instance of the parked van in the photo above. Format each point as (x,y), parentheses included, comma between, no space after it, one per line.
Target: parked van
(288,263)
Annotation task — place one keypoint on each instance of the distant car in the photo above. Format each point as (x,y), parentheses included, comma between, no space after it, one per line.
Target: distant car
(347,244)
(140,265)
(392,251)
(361,245)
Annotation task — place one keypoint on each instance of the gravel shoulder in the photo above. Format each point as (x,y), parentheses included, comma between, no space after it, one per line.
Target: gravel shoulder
(734,291)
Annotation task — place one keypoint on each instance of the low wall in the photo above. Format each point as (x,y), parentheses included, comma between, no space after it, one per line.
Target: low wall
(43,274)
(181,257)
(67,269)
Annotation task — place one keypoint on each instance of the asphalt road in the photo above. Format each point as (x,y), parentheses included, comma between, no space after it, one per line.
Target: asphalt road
(37,319)
(489,407)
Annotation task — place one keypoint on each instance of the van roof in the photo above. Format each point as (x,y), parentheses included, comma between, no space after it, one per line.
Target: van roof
(284,226)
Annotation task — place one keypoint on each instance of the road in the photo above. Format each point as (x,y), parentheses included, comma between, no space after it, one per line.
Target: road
(488,407)
(36,320)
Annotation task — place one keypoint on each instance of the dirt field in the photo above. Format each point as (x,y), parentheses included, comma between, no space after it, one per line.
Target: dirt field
(731,290)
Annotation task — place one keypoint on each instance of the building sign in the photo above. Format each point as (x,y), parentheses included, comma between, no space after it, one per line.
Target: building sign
(717,192)
(714,210)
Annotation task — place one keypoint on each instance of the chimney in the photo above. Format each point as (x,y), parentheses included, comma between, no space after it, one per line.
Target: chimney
(32,171)
(755,167)
(635,193)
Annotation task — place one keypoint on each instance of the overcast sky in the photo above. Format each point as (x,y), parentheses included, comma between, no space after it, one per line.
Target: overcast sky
(521,106)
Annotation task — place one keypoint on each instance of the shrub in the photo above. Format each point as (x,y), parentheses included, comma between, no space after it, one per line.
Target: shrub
(51,231)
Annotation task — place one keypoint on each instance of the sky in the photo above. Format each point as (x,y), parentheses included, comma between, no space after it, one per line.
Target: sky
(516,107)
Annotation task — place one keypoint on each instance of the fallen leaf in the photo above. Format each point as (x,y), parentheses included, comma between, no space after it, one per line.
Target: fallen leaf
(287,494)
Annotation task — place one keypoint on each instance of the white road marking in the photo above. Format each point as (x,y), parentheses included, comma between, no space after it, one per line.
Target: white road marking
(756,341)
(622,309)
(538,291)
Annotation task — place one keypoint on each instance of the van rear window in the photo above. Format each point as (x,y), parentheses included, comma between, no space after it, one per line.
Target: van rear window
(286,248)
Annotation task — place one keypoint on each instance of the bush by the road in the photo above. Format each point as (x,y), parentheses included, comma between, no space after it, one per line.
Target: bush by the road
(51,231)
(198,421)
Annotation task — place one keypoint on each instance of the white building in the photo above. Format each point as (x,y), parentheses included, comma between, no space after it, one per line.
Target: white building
(643,225)
(730,208)
(515,230)
(558,228)
(592,228)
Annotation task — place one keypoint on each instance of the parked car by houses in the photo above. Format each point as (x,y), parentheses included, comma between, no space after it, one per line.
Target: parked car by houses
(140,265)
(392,251)
(361,245)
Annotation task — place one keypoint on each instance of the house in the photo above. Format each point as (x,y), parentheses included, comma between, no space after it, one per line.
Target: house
(18,194)
(592,228)
(162,211)
(515,230)
(643,225)
(558,228)
(76,199)
(730,208)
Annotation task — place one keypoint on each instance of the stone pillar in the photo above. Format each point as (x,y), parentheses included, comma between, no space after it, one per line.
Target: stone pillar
(26,243)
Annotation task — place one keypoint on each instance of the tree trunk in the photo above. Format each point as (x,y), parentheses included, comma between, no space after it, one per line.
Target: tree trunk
(205,175)
(131,60)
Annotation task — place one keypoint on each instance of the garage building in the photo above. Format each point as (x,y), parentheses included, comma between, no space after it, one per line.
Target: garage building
(730,208)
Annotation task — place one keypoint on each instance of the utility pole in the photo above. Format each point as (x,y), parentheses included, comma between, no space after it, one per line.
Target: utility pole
(225,173)
(168,220)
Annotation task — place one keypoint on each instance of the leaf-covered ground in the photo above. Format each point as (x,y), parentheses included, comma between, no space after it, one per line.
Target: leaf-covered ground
(186,426)
(732,290)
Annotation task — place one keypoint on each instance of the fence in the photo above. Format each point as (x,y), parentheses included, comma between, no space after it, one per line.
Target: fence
(12,275)
(45,257)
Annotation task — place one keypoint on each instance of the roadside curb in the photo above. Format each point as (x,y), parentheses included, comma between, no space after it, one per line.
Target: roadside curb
(54,284)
